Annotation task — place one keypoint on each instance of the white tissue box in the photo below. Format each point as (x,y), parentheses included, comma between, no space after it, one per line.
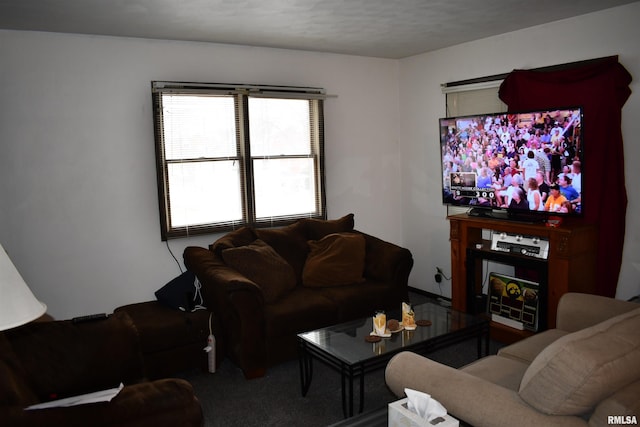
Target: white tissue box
(400,416)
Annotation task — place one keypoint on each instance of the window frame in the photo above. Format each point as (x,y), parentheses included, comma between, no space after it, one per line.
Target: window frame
(241,95)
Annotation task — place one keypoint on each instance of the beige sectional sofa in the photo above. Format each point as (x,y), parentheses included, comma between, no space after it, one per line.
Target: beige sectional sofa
(582,373)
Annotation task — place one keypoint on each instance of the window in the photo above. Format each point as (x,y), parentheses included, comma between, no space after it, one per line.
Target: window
(474,98)
(465,100)
(233,156)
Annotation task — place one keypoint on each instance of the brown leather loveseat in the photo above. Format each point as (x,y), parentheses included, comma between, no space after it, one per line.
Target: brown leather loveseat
(267,285)
(43,361)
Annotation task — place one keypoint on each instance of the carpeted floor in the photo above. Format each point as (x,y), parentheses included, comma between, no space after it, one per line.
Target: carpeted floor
(275,400)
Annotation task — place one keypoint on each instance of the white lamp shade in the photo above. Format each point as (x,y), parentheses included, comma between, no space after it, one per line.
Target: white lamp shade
(17,304)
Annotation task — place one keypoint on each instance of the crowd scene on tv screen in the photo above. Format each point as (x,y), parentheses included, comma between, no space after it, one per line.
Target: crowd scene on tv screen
(527,161)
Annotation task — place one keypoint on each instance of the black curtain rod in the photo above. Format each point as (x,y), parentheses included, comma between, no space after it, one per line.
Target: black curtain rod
(547,68)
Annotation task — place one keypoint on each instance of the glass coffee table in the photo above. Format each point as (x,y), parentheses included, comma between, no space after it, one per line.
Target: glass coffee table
(344,348)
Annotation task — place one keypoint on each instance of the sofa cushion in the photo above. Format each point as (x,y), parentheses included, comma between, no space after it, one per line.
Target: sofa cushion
(527,350)
(498,370)
(299,311)
(577,371)
(336,259)
(261,264)
(290,242)
(316,229)
(352,302)
(240,237)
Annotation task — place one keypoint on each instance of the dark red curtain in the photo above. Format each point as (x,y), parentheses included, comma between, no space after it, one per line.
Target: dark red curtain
(600,87)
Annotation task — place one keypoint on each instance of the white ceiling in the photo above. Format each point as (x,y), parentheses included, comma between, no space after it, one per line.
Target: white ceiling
(377,28)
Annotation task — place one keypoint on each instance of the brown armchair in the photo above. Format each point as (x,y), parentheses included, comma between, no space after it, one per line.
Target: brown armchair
(49,360)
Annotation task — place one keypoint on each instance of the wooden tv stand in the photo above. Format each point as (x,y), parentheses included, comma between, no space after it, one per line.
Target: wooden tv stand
(570,265)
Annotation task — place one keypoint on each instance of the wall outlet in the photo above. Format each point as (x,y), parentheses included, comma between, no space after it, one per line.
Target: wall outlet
(440,275)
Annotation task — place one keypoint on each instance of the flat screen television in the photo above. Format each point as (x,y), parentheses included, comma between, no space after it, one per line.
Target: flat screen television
(525,165)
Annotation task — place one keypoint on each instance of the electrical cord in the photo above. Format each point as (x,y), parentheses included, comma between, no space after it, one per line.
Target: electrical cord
(198,296)
(443,275)
(174,257)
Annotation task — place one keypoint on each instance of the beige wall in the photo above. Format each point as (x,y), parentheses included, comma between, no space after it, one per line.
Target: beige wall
(611,32)
(79,209)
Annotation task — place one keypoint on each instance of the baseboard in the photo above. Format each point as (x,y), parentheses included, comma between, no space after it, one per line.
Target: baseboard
(442,300)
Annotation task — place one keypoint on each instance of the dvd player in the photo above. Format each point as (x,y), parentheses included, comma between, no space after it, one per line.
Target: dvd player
(524,245)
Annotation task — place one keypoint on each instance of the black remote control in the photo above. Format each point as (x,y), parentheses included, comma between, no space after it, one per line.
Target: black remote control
(89,318)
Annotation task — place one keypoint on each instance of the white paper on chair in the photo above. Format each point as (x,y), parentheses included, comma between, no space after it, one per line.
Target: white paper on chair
(98,396)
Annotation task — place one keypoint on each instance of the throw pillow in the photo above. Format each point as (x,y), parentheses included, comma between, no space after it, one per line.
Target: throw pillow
(577,371)
(316,229)
(240,237)
(261,264)
(336,259)
(289,242)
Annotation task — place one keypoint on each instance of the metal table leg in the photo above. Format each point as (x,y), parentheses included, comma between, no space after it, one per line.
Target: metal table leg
(349,373)
(306,368)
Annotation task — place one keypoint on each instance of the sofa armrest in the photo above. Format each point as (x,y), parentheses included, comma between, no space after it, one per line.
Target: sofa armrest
(468,398)
(214,275)
(578,311)
(62,358)
(237,303)
(387,262)
(162,403)
(623,402)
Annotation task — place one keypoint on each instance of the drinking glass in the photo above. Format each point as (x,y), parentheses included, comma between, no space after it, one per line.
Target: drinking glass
(379,322)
